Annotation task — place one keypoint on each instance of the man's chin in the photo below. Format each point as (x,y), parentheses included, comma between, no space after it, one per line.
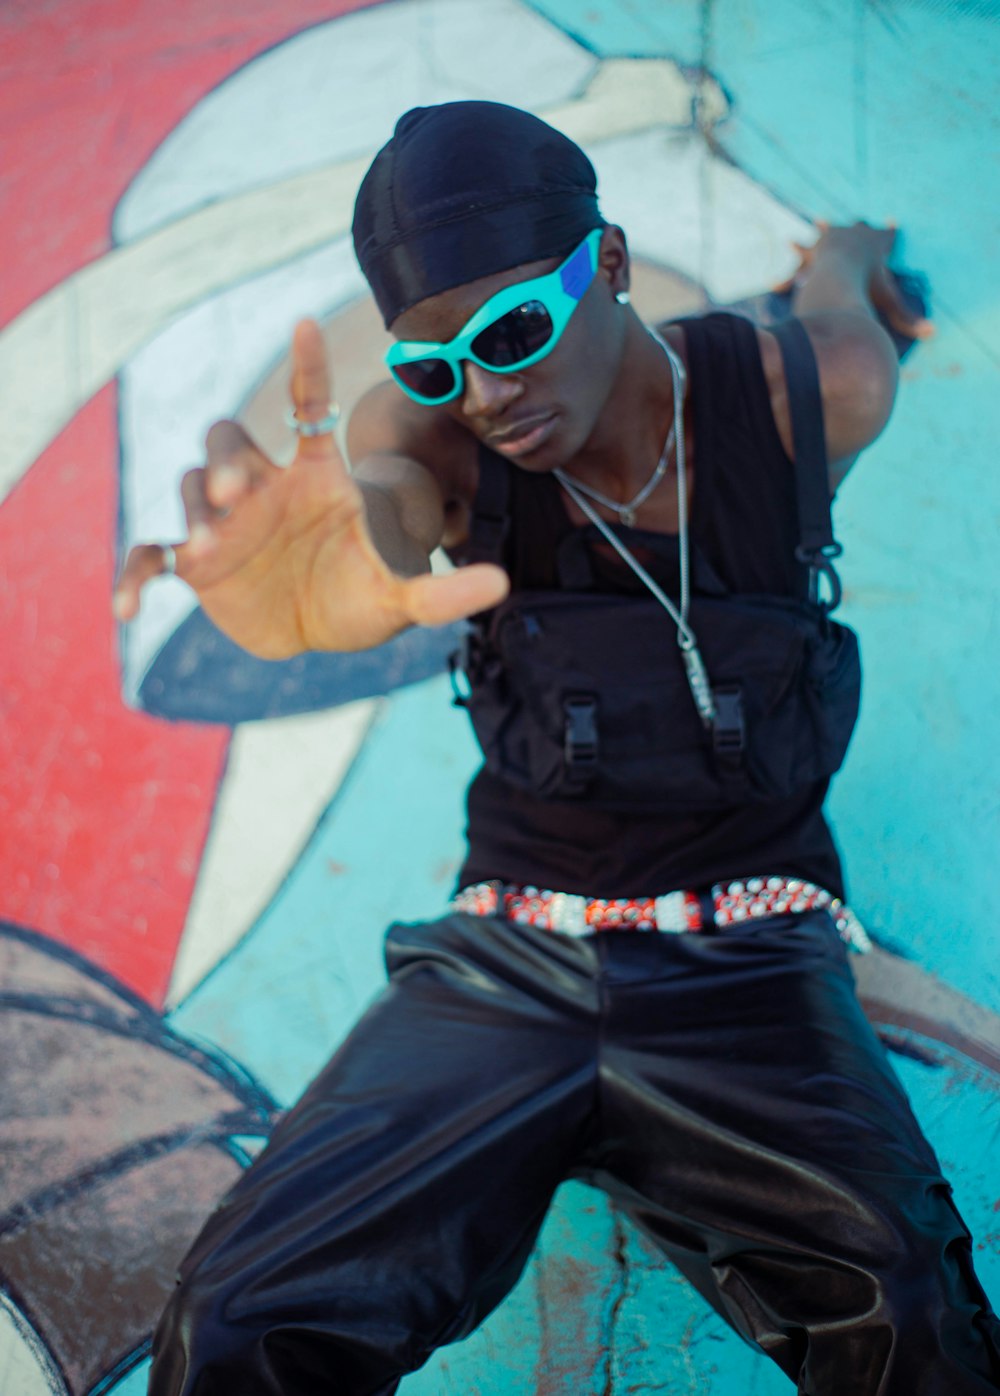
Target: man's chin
(527,444)
(557,452)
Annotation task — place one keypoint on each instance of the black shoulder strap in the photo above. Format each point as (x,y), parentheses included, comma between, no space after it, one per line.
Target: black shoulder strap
(817,545)
(490,519)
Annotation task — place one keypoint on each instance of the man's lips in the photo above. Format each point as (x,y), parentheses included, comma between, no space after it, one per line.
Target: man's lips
(519,438)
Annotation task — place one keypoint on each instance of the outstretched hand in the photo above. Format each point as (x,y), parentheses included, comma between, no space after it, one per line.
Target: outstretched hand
(281,559)
(869,248)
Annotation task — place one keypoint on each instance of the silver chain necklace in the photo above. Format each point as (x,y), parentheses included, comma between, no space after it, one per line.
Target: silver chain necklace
(627,512)
(687,642)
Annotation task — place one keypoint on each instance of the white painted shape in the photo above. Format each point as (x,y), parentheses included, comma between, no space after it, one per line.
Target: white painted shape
(77,336)
(336,90)
(26,1368)
(501,51)
(280,777)
(626,94)
(222,246)
(682,207)
(202,367)
(39,347)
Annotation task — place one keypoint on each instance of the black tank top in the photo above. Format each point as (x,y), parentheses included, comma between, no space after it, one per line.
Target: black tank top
(744,531)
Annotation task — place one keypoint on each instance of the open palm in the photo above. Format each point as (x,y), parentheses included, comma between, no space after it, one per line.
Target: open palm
(281,558)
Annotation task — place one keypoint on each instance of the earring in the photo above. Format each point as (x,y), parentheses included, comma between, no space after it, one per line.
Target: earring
(623,298)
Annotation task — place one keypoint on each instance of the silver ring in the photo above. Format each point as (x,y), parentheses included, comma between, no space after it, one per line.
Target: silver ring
(169,568)
(319,428)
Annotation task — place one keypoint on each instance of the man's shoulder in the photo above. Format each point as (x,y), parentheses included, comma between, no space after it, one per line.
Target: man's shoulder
(727,333)
(726,347)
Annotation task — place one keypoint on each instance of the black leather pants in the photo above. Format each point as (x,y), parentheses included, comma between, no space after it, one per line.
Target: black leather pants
(726,1091)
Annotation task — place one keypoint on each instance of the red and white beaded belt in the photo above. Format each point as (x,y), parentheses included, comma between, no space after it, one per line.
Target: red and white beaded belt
(728,904)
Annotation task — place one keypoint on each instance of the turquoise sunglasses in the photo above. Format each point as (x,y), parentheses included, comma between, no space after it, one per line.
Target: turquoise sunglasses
(513,330)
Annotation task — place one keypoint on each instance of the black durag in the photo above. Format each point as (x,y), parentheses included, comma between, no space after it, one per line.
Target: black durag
(464,190)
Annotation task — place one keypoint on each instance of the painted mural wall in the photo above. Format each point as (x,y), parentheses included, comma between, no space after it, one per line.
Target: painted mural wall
(194,876)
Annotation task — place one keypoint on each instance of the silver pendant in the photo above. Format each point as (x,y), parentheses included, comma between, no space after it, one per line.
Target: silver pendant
(627,516)
(699,684)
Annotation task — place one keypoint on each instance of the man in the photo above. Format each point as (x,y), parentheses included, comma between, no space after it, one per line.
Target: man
(643,981)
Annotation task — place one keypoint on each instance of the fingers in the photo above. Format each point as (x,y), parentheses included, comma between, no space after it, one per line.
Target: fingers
(873,235)
(234,469)
(430,600)
(234,466)
(199,513)
(144,562)
(312,390)
(889,300)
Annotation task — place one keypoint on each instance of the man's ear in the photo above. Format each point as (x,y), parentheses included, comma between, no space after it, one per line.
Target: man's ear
(613,261)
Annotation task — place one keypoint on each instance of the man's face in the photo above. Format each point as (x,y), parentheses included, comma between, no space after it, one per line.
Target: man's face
(539,417)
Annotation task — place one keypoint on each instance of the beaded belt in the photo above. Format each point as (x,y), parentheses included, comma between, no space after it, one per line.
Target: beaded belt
(728,904)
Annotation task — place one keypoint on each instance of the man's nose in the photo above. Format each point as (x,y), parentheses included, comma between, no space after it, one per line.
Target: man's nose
(488,394)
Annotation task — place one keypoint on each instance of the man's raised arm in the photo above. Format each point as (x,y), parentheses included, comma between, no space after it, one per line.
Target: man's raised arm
(843,287)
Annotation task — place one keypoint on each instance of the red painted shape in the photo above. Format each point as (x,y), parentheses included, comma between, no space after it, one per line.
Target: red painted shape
(103,812)
(88,91)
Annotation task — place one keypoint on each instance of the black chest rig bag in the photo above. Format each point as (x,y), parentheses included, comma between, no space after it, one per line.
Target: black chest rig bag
(585,695)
